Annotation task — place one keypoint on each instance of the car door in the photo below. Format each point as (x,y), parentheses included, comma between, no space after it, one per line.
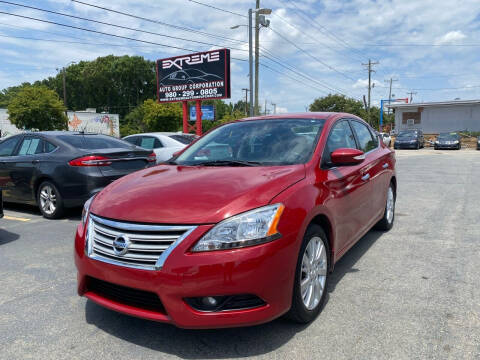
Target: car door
(349,191)
(23,166)
(7,149)
(372,172)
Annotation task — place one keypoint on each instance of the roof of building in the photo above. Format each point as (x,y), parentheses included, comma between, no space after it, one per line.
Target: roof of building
(436,103)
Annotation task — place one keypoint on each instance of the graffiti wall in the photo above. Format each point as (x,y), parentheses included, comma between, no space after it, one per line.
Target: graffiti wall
(92,122)
(107,124)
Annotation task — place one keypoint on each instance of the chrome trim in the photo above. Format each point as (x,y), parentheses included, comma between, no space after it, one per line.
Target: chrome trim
(385,165)
(359,157)
(94,245)
(366,177)
(139,227)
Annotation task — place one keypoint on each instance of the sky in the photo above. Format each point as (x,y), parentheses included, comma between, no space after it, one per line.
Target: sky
(310,49)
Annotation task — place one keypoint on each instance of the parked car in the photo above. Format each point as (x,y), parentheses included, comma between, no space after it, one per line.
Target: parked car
(478,142)
(387,140)
(164,144)
(448,140)
(60,169)
(409,139)
(241,236)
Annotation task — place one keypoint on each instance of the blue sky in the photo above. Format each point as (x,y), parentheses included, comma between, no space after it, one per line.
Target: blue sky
(430,47)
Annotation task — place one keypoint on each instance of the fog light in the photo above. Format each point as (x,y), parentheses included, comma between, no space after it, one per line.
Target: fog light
(210,301)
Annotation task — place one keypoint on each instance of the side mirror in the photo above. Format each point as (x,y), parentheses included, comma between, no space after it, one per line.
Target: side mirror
(176,153)
(347,156)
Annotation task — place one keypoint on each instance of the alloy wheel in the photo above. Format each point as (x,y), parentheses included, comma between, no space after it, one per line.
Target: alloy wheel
(390,205)
(48,200)
(313,273)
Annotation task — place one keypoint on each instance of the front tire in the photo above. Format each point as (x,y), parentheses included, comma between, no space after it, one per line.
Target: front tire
(386,223)
(311,276)
(49,200)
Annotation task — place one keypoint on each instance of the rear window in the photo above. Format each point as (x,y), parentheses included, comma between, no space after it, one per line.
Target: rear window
(184,139)
(91,142)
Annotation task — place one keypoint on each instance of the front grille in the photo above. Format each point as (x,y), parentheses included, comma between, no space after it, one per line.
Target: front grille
(134,245)
(125,295)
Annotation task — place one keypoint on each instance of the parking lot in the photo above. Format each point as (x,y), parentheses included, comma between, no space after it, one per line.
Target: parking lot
(411,293)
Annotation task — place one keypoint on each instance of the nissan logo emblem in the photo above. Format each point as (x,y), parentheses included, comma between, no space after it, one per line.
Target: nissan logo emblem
(120,245)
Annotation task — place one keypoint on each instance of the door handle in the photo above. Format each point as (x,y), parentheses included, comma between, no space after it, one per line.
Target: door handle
(35,161)
(366,177)
(385,165)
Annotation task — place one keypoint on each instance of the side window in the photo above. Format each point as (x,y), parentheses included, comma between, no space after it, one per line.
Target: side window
(7,146)
(132,140)
(158,144)
(49,147)
(147,142)
(341,136)
(30,146)
(375,136)
(364,136)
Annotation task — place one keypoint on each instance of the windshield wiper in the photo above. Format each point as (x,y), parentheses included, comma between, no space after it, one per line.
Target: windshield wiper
(229,163)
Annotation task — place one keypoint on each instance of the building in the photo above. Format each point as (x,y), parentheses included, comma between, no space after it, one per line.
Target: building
(88,121)
(437,117)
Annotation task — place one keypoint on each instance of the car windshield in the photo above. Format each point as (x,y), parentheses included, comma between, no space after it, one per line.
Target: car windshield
(256,142)
(91,142)
(447,136)
(407,134)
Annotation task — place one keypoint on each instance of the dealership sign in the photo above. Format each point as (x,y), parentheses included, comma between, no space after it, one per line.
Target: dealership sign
(199,76)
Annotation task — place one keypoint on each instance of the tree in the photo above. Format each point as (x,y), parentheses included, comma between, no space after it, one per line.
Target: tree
(338,103)
(37,108)
(152,116)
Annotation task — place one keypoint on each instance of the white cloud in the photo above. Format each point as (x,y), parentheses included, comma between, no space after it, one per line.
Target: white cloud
(451,37)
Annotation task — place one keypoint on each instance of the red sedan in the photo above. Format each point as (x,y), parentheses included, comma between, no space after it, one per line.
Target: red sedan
(245,225)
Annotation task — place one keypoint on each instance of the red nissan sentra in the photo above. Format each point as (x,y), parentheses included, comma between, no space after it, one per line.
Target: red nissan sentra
(243,226)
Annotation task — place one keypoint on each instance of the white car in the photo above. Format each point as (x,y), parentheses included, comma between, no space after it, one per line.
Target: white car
(387,140)
(164,144)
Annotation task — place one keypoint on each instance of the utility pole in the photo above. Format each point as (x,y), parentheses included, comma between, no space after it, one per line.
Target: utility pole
(265,107)
(370,70)
(246,99)
(411,93)
(257,50)
(250,62)
(390,91)
(64,88)
(274,108)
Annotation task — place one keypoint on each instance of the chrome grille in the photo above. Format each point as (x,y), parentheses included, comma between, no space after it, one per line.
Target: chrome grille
(139,246)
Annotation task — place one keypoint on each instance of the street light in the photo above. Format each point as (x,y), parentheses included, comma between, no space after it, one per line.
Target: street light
(262,11)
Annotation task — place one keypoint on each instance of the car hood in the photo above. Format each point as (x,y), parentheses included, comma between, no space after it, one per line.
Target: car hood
(168,194)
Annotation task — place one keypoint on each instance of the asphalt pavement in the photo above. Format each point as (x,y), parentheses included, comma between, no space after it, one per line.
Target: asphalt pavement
(411,293)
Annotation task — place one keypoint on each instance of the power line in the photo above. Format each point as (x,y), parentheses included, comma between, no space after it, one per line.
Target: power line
(311,56)
(217,8)
(114,25)
(183,28)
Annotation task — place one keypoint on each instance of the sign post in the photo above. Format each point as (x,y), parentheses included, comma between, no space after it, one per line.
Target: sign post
(199,76)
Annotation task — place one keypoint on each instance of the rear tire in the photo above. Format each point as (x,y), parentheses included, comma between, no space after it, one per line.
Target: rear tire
(311,276)
(386,223)
(50,201)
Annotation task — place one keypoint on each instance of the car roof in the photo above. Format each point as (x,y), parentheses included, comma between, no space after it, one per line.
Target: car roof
(300,115)
(157,133)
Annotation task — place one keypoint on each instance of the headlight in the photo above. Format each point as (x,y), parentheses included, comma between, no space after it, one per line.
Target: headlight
(413,141)
(251,228)
(455,142)
(86,209)
(436,142)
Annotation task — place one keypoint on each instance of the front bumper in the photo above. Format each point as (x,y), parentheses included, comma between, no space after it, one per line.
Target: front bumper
(405,146)
(446,146)
(266,271)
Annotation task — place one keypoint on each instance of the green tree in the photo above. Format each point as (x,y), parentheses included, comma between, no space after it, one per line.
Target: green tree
(152,116)
(6,95)
(37,108)
(338,103)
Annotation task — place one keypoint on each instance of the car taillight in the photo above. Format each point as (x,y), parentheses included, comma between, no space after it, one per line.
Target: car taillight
(152,157)
(91,160)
